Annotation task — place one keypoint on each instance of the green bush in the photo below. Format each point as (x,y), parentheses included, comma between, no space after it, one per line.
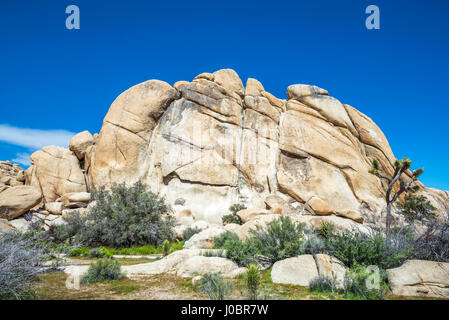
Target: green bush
(356,288)
(124,217)
(214,287)
(281,239)
(148,249)
(212,253)
(417,208)
(61,233)
(252,281)
(322,284)
(96,253)
(166,247)
(79,252)
(374,249)
(100,253)
(190,232)
(313,244)
(103,270)
(232,217)
(242,253)
(109,252)
(326,230)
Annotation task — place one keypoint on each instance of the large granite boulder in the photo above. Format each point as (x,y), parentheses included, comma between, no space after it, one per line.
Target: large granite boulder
(15,201)
(214,142)
(297,271)
(420,278)
(55,171)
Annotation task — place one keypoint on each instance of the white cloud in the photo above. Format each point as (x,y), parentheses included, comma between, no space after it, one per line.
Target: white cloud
(34,138)
(22,158)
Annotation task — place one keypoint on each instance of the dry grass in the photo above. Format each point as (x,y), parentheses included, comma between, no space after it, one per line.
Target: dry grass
(51,286)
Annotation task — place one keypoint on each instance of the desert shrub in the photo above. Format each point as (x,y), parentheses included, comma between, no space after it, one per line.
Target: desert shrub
(232,217)
(355,284)
(434,243)
(99,253)
(215,287)
(322,284)
(313,244)
(166,247)
(21,259)
(126,216)
(190,232)
(36,232)
(326,230)
(281,239)
(212,253)
(96,253)
(61,233)
(223,238)
(352,247)
(417,208)
(103,270)
(252,281)
(242,253)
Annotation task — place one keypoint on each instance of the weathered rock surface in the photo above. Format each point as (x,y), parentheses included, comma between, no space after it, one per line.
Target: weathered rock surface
(67,213)
(200,265)
(249,214)
(197,225)
(80,143)
(5,226)
(332,268)
(278,205)
(318,206)
(297,271)
(21,224)
(54,207)
(340,224)
(56,171)
(15,201)
(11,175)
(303,269)
(213,142)
(122,145)
(203,239)
(420,278)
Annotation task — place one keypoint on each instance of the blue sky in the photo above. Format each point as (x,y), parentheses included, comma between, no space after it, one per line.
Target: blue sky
(55,82)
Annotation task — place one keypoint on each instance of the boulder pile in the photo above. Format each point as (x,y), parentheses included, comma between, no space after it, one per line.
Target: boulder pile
(210,143)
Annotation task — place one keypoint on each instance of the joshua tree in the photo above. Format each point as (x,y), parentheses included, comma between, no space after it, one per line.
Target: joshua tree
(400,166)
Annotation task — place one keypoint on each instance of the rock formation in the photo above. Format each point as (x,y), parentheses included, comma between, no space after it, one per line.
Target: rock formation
(420,278)
(15,201)
(11,175)
(210,143)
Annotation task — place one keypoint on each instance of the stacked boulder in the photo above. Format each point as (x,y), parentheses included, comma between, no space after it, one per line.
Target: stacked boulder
(215,142)
(50,190)
(15,198)
(11,175)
